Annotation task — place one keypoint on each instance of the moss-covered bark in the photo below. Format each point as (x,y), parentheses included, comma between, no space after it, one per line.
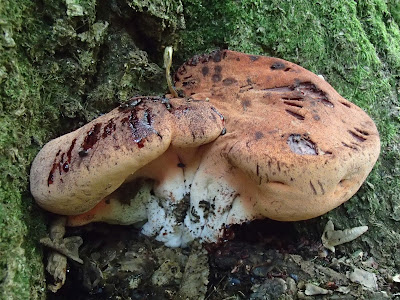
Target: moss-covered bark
(64,62)
(61,64)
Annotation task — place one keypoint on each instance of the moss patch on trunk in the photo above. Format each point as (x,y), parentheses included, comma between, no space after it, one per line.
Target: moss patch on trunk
(62,63)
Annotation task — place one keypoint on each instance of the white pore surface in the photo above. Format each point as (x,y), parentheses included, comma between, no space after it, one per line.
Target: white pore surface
(207,209)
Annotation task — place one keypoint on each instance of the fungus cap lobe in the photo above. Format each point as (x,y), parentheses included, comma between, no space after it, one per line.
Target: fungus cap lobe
(288,131)
(102,154)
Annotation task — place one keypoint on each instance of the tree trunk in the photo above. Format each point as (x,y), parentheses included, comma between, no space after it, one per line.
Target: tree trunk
(64,62)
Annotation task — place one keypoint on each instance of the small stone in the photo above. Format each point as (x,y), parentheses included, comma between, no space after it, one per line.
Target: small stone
(312,290)
(291,286)
(343,289)
(371,263)
(364,278)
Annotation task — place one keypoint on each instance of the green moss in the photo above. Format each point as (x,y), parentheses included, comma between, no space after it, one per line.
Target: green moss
(61,64)
(159,20)
(394,9)
(124,75)
(21,267)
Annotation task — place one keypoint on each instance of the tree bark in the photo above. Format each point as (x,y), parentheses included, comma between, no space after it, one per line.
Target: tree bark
(64,62)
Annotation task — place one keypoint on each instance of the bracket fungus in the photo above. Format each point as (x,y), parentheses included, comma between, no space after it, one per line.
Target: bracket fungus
(254,137)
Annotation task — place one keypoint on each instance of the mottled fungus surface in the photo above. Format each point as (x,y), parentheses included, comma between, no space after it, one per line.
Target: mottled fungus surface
(300,148)
(292,149)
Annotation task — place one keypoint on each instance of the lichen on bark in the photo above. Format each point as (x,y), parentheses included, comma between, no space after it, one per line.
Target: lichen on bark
(64,62)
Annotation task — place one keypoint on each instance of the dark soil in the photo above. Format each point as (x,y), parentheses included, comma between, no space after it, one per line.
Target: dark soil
(261,260)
